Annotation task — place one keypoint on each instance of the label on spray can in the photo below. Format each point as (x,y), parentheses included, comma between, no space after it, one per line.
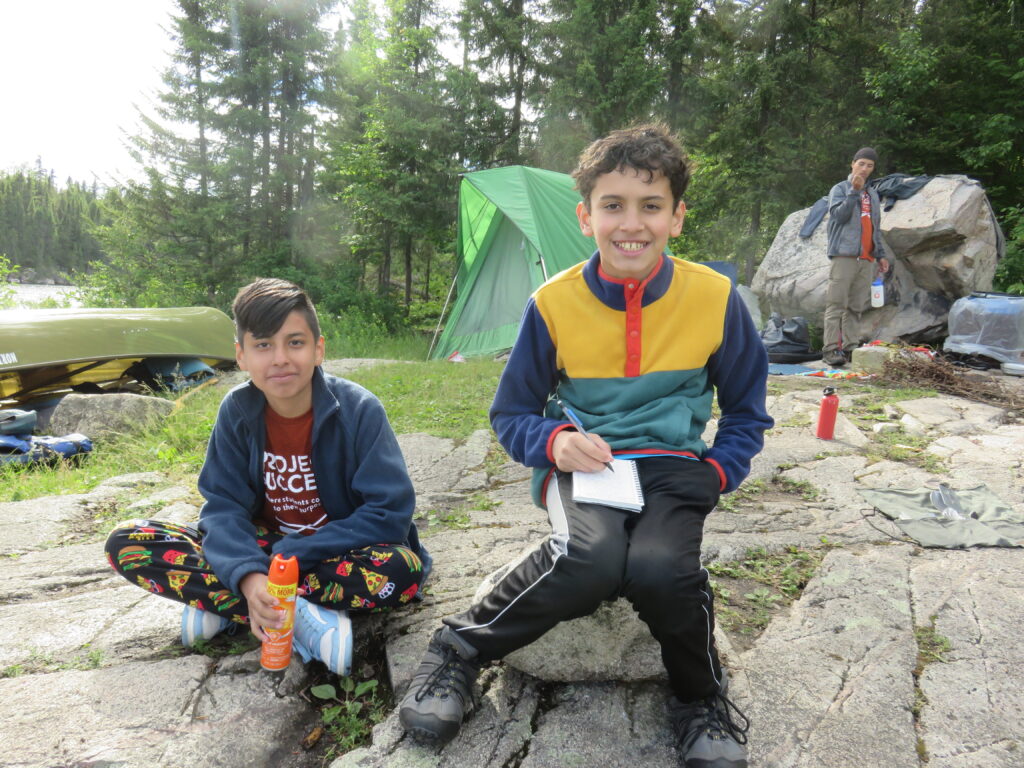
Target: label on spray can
(282,585)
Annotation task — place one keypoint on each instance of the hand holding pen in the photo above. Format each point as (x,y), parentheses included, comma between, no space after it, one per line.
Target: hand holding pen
(575,421)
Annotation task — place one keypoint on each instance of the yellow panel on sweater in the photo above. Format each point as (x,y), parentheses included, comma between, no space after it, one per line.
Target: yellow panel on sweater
(679,331)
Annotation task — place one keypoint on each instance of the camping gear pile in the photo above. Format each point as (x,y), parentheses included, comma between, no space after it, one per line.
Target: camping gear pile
(19,446)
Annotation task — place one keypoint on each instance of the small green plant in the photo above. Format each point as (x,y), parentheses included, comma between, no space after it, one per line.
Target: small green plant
(496,457)
(801,488)
(931,646)
(226,644)
(483,502)
(763,597)
(351,711)
(14,670)
(454,519)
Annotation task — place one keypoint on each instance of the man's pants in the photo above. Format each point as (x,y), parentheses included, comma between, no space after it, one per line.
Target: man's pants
(167,560)
(849,294)
(597,553)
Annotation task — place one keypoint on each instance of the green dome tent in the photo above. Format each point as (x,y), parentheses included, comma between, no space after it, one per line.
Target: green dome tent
(517,227)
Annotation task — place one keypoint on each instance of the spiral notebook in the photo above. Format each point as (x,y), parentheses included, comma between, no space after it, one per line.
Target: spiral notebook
(620,489)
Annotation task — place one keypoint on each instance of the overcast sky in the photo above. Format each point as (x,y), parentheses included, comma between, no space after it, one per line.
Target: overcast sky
(71,72)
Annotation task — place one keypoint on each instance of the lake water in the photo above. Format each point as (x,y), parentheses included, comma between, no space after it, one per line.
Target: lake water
(30,293)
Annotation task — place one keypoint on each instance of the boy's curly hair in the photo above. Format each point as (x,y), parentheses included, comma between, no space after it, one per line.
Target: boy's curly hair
(263,305)
(650,147)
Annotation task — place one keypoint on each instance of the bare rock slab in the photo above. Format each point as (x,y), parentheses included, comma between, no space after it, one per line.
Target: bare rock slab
(603,725)
(974,711)
(830,685)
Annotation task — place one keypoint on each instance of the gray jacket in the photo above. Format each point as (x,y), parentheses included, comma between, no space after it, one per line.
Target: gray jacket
(844,221)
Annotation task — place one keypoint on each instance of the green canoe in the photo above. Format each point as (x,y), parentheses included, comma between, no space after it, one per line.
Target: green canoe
(46,351)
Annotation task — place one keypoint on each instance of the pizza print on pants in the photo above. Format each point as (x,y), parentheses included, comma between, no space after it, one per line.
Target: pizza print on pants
(166,559)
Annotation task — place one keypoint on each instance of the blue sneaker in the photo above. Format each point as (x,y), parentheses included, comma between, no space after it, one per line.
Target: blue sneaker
(200,625)
(323,634)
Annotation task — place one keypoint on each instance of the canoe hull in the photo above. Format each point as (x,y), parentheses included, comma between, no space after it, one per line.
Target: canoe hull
(43,352)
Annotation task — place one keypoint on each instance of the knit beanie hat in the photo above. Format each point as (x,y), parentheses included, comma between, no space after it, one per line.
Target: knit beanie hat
(867,153)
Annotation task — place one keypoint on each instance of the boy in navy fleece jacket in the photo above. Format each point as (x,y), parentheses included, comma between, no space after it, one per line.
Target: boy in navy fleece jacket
(299,463)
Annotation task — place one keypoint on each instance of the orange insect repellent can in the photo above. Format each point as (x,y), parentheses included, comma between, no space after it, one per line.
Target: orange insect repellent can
(282,584)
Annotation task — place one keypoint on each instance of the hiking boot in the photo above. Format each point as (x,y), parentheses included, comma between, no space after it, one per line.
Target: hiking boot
(324,635)
(199,625)
(441,690)
(834,357)
(708,737)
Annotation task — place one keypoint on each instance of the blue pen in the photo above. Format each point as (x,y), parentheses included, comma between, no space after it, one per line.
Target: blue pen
(572,417)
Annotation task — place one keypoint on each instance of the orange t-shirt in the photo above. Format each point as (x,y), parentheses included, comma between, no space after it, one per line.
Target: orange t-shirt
(291,501)
(867,229)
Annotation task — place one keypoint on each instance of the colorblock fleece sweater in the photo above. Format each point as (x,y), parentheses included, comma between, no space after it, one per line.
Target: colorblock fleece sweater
(639,363)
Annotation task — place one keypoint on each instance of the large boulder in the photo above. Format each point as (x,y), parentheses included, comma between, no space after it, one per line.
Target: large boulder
(943,242)
(105,415)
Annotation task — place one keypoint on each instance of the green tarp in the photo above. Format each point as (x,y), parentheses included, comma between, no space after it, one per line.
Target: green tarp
(987,521)
(517,227)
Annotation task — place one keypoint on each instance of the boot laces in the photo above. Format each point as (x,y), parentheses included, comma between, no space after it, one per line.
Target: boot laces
(448,676)
(713,716)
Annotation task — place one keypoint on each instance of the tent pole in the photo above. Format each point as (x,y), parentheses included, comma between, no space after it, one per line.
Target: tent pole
(440,317)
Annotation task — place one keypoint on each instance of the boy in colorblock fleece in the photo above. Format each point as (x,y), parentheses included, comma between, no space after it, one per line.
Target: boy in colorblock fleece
(636,343)
(299,463)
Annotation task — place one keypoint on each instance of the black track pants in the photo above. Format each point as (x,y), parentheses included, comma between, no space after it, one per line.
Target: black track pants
(597,553)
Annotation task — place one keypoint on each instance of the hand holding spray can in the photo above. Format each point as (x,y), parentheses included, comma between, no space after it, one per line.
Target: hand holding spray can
(282,583)
(827,413)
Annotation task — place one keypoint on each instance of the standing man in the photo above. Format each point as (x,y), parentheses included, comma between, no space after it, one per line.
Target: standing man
(854,247)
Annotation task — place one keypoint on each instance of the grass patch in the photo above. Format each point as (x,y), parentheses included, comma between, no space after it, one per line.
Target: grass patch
(755,493)
(440,398)
(174,446)
(42,661)
(356,334)
(879,394)
(742,496)
(227,643)
(749,592)
(902,447)
(800,488)
(456,519)
(931,648)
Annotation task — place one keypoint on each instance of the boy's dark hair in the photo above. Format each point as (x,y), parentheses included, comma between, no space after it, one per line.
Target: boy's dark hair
(651,147)
(263,305)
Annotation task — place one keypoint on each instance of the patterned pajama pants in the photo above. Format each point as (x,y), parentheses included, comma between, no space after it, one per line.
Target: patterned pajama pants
(167,560)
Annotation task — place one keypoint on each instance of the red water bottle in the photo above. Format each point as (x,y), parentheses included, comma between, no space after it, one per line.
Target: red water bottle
(827,414)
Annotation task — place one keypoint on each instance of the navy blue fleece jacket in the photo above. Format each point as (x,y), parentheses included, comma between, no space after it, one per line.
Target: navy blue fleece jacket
(362,478)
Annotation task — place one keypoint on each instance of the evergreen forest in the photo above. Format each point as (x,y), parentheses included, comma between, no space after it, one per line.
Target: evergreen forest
(322,141)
